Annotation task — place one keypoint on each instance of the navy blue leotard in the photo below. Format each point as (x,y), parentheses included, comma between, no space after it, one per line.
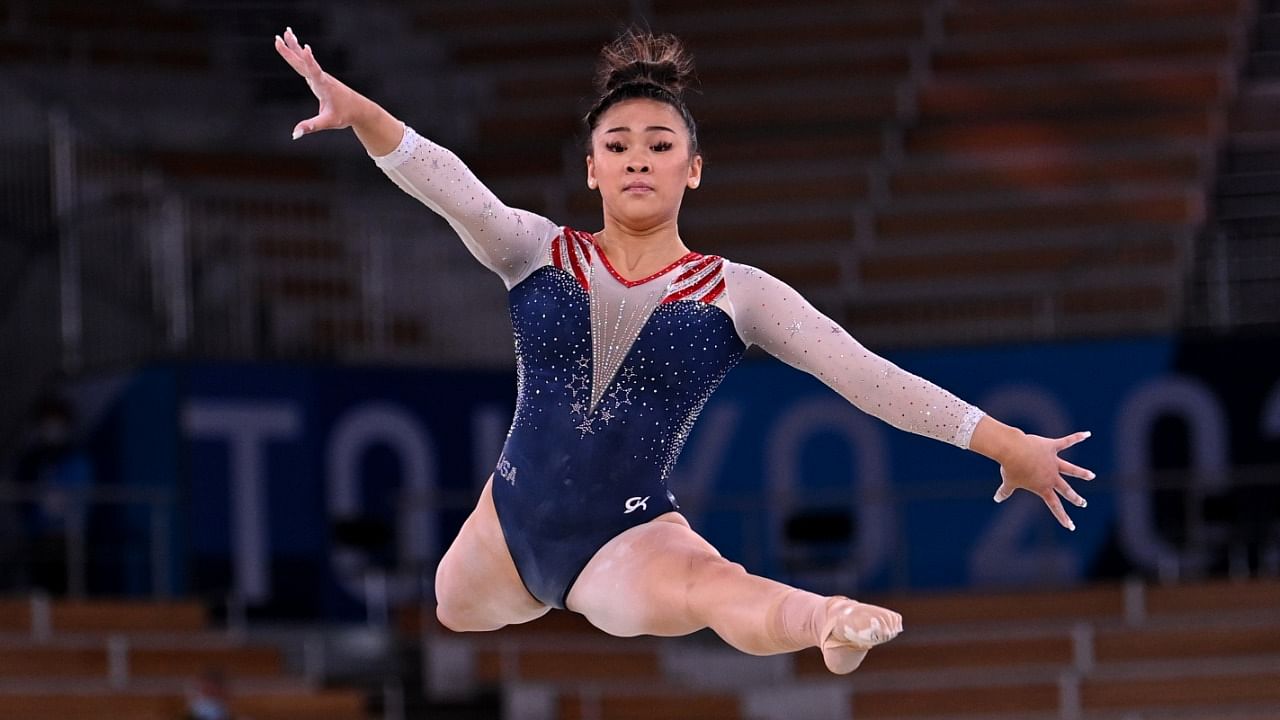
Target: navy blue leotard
(613,372)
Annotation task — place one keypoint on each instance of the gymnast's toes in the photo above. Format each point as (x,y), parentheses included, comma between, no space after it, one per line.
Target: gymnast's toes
(852,629)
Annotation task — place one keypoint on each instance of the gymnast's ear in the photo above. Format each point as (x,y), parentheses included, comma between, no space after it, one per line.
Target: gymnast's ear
(695,172)
(592,184)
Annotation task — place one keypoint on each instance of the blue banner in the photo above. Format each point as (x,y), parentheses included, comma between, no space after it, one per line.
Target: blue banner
(298,485)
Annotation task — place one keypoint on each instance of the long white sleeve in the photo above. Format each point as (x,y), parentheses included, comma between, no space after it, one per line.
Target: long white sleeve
(769,313)
(508,241)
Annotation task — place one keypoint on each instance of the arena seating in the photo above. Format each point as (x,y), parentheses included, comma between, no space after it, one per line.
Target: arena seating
(1194,651)
(925,172)
(64,30)
(982,171)
(101,659)
(1018,92)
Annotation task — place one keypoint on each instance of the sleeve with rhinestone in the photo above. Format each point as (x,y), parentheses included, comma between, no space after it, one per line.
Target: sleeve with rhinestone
(508,241)
(769,313)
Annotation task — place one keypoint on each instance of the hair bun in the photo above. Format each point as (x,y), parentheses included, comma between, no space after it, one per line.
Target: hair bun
(642,57)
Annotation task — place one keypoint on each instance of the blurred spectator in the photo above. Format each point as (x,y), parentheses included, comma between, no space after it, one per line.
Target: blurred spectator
(209,698)
(53,474)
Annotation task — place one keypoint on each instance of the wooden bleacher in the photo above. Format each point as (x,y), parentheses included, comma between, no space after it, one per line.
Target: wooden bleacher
(102,659)
(1029,700)
(926,172)
(1114,651)
(1044,17)
(1033,168)
(1054,171)
(643,706)
(144,38)
(121,616)
(324,705)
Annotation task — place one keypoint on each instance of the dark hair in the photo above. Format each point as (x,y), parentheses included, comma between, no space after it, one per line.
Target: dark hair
(639,64)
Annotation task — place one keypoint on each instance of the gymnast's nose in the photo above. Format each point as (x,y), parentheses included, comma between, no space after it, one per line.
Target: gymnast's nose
(637,167)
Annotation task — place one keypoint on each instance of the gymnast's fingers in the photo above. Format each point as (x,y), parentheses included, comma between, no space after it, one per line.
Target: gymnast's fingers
(309,59)
(1068,492)
(1074,471)
(299,57)
(290,56)
(292,40)
(1063,443)
(1003,492)
(319,122)
(1055,506)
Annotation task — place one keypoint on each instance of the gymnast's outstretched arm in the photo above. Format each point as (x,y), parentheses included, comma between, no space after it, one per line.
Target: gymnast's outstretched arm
(769,313)
(506,240)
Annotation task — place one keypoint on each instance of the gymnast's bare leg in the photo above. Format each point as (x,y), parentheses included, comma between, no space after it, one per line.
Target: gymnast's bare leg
(477,586)
(662,578)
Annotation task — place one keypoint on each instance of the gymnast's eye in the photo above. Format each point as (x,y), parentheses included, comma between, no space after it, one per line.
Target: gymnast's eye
(662,146)
(614,146)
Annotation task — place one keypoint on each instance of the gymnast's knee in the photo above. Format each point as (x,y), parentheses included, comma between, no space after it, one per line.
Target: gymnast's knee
(452,617)
(461,607)
(453,610)
(708,571)
(452,614)
(458,615)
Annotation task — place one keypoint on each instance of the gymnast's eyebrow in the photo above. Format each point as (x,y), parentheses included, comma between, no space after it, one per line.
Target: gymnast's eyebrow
(648,129)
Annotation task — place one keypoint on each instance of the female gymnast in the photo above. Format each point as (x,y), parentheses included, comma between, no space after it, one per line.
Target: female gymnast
(621,336)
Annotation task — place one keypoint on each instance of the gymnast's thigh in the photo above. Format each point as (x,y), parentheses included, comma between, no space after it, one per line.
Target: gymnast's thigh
(637,584)
(477,585)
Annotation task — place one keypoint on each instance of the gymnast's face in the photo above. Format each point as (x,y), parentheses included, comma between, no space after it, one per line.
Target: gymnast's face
(641,162)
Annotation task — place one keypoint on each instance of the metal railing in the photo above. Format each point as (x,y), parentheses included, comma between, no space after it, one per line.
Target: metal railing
(47,536)
(1236,284)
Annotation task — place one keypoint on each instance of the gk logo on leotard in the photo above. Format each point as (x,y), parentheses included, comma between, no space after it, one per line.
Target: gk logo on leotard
(636,503)
(506,470)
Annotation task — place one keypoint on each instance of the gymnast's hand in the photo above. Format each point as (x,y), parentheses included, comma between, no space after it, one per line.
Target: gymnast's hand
(1031,463)
(339,104)
(1034,466)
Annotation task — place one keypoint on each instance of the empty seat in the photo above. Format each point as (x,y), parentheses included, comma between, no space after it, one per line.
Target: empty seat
(571,666)
(470,16)
(319,705)
(1083,53)
(952,99)
(977,16)
(90,706)
(1050,173)
(1206,639)
(15,615)
(624,706)
(904,26)
(111,616)
(1014,262)
(185,662)
(1218,691)
(52,662)
(1170,209)
(1253,596)
(1074,135)
(1013,701)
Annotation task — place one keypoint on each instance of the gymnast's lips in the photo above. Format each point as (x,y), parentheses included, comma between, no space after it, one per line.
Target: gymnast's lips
(637,187)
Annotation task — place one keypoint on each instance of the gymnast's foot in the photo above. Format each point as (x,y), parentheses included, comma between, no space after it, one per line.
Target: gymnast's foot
(852,628)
